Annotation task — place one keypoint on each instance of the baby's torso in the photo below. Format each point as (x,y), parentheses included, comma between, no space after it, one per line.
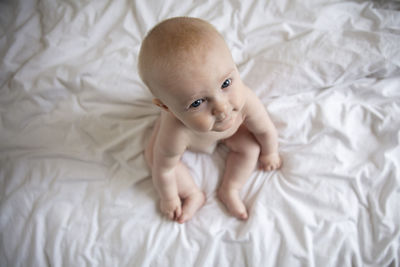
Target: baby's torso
(206,142)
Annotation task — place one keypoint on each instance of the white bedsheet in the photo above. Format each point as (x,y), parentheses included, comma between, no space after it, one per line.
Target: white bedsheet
(74,116)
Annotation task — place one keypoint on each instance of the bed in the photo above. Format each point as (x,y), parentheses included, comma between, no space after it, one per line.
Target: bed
(75,117)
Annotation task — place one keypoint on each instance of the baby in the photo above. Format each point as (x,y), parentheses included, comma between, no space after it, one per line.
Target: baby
(189,69)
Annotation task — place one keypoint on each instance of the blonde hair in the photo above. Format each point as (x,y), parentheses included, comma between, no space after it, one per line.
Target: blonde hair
(171,43)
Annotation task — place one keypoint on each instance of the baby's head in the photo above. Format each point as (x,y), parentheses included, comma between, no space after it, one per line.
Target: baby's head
(185,62)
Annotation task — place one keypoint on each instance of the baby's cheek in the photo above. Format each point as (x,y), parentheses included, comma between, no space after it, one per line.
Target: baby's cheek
(237,99)
(201,124)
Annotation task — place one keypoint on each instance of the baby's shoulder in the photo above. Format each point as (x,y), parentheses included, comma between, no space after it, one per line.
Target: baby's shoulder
(172,129)
(253,105)
(170,123)
(172,137)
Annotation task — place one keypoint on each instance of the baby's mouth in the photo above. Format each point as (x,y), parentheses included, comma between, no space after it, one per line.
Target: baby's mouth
(224,119)
(226,122)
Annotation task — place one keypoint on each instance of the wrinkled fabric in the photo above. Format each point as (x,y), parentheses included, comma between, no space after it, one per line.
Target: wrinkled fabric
(75,117)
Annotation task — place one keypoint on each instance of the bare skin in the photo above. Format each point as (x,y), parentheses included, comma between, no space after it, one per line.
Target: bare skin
(188,192)
(203,101)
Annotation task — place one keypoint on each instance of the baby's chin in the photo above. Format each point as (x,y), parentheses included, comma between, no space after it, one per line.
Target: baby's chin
(224,126)
(220,129)
(213,126)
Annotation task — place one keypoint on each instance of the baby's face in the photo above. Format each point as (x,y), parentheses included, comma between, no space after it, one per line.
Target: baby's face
(206,93)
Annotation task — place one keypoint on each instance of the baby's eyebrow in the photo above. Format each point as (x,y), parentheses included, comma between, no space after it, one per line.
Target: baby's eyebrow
(227,74)
(190,99)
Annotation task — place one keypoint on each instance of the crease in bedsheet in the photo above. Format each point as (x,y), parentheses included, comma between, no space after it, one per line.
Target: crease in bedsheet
(335,225)
(74,116)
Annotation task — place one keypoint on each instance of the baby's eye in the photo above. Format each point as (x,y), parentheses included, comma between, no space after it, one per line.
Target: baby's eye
(226,83)
(197,103)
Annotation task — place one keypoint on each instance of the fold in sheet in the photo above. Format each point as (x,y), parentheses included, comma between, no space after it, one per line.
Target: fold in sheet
(74,118)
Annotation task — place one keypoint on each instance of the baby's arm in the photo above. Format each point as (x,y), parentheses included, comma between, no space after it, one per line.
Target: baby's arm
(259,123)
(168,149)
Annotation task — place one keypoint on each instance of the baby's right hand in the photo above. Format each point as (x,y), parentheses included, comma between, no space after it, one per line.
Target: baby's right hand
(171,208)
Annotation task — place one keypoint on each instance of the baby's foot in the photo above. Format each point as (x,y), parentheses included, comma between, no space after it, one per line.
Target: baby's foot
(233,203)
(191,205)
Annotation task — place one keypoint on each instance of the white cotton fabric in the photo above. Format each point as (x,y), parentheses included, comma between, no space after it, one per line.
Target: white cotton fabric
(74,118)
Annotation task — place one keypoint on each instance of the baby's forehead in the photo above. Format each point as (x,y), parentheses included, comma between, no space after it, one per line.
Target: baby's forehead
(180,37)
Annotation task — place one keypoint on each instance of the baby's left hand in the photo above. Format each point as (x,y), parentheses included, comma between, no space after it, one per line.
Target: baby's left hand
(270,162)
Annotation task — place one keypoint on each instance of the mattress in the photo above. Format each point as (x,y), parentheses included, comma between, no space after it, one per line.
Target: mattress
(75,117)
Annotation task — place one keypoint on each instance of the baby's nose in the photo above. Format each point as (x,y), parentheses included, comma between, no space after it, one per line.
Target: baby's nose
(220,116)
(220,110)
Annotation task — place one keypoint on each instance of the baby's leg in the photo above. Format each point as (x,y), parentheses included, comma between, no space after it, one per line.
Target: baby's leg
(240,163)
(193,198)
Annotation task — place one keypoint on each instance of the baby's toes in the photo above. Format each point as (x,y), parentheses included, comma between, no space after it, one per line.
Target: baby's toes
(170,214)
(242,215)
(233,203)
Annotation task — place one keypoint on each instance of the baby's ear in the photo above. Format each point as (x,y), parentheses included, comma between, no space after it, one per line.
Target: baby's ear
(158,102)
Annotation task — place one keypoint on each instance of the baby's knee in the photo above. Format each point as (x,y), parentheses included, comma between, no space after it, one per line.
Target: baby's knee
(251,149)
(245,144)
